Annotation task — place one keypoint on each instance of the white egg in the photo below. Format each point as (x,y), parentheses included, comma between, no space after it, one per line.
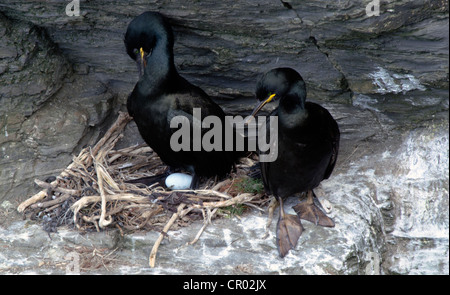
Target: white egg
(178,181)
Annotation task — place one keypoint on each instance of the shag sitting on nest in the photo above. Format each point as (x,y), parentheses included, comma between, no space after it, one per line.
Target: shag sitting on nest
(162,94)
(308,143)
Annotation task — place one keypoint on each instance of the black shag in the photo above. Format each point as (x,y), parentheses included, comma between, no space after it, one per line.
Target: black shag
(161,94)
(308,143)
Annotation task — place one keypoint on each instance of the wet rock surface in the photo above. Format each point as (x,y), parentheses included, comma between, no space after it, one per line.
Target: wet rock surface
(384,78)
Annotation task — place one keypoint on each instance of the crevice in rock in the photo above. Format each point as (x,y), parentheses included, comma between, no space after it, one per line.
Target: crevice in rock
(289,6)
(286,4)
(343,83)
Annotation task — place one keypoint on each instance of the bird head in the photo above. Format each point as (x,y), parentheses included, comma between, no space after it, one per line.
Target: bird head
(277,84)
(142,35)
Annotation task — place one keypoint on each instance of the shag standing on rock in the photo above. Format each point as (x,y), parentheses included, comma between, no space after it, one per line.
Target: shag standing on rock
(308,143)
(162,94)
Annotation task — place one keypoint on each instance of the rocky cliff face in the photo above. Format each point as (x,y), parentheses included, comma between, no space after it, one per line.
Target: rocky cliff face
(384,78)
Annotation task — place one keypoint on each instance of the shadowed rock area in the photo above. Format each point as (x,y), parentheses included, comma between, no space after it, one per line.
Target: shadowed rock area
(384,78)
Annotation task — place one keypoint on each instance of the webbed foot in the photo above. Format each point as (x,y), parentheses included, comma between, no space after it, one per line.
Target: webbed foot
(311,210)
(289,230)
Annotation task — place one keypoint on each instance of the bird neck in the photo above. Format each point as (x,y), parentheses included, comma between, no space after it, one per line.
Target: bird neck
(291,110)
(160,67)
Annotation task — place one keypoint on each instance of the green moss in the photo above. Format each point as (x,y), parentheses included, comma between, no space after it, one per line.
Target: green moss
(240,186)
(250,185)
(233,210)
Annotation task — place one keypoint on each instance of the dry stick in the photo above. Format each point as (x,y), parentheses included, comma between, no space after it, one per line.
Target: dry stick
(47,185)
(102,175)
(42,194)
(103,222)
(86,200)
(254,206)
(51,203)
(239,199)
(152,258)
(120,123)
(205,192)
(206,221)
(92,219)
(36,198)
(135,151)
(220,184)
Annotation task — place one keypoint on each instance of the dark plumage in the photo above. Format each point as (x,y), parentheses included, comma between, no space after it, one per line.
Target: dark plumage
(162,94)
(308,143)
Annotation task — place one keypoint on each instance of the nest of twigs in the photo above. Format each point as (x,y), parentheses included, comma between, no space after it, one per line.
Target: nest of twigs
(93,192)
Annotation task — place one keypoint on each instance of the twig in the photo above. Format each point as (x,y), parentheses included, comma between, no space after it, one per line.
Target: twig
(86,200)
(242,198)
(51,203)
(42,194)
(103,222)
(206,222)
(152,258)
(120,123)
(58,189)
(205,192)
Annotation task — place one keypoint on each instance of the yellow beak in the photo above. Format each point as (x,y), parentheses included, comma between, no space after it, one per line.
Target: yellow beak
(259,107)
(261,104)
(141,61)
(141,51)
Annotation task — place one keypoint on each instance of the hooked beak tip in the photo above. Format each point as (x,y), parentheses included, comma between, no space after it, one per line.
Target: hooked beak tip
(261,105)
